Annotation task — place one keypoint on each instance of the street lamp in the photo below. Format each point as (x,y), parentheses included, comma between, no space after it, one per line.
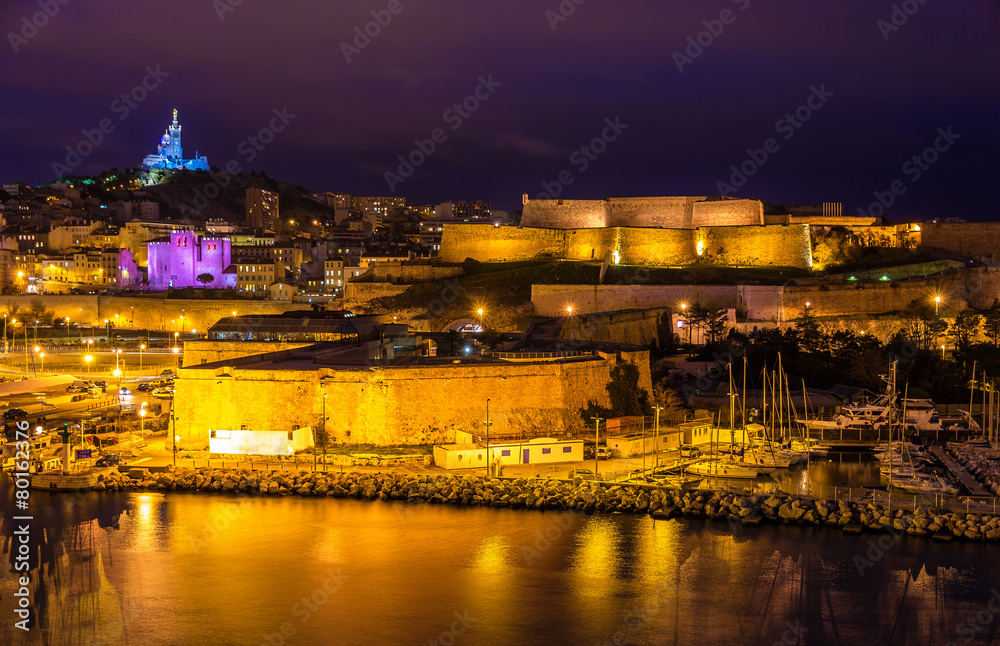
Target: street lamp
(141,348)
(569,310)
(942,356)
(656,435)
(87,359)
(42,355)
(597,433)
(937,304)
(67,327)
(175,340)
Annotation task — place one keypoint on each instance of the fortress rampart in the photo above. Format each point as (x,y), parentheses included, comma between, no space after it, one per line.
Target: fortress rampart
(679,212)
(396,405)
(786,246)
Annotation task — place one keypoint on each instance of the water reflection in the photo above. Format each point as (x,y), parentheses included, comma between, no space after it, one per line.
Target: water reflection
(155,568)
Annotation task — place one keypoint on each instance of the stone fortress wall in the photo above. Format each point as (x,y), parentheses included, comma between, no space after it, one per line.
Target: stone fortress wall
(976,287)
(147,312)
(786,246)
(566,214)
(679,212)
(975,239)
(419,404)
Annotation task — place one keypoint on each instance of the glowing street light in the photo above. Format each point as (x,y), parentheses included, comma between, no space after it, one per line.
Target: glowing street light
(937,304)
(942,355)
(42,355)
(88,359)
(569,310)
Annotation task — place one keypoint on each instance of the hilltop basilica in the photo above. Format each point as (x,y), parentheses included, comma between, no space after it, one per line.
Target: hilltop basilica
(169,154)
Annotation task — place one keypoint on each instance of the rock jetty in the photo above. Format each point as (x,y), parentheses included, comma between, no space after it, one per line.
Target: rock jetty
(734,507)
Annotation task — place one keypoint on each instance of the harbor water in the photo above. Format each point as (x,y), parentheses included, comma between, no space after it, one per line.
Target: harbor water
(179,568)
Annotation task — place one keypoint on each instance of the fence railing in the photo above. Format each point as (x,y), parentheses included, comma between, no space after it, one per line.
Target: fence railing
(903,500)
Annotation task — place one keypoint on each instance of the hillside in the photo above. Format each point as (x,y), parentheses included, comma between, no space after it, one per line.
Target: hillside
(186,195)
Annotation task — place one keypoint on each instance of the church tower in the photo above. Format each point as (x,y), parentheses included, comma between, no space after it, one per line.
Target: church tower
(173,149)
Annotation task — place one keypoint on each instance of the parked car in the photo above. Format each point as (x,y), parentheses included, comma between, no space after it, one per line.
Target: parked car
(15,413)
(603,453)
(101,383)
(163,393)
(167,374)
(583,474)
(109,460)
(145,386)
(78,387)
(690,451)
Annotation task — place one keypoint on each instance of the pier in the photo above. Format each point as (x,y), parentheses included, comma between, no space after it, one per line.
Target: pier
(959,472)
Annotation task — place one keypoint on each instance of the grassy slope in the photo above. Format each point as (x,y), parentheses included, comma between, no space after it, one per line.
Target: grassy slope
(500,286)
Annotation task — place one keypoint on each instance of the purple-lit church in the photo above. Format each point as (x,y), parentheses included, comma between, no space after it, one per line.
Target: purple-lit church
(179,261)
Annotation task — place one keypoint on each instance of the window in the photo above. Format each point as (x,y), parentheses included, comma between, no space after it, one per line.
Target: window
(546,451)
(291,436)
(567,449)
(505,453)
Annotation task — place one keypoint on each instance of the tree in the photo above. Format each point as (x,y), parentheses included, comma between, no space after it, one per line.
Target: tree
(711,322)
(991,322)
(624,393)
(205,279)
(965,329)
(919,324)
(671,403)
(38,312)
(810,335)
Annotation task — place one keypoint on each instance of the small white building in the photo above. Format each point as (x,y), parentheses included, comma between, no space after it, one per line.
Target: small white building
(248,442)
(634,445)
(536,451)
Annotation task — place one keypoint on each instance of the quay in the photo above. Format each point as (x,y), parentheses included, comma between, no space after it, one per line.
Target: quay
(959,472)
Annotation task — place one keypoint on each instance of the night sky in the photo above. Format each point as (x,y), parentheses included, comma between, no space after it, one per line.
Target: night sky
(553,80)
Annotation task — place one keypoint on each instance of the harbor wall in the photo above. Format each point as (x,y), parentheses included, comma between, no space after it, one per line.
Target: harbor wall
(385,406)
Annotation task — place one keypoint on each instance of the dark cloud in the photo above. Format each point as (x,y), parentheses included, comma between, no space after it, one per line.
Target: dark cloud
(605,60)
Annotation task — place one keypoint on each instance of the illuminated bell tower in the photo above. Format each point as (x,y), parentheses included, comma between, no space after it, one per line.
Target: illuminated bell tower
(173,150)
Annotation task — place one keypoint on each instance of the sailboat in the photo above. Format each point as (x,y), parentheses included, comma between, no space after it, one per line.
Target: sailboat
(897,463)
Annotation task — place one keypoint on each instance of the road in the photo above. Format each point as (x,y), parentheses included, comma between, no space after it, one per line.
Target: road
(52,406)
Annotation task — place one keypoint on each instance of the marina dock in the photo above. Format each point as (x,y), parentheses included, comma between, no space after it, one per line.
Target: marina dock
(959,472)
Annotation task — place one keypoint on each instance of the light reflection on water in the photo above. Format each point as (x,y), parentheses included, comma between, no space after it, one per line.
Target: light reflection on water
(203,569)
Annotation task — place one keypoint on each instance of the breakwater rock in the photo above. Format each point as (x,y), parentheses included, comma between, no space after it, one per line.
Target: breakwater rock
(734,507)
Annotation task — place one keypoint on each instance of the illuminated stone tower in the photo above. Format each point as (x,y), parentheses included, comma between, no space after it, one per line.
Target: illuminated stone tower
(172,148)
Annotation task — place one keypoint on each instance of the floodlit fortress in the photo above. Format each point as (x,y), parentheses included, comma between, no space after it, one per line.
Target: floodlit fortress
(638,231)
(406,400)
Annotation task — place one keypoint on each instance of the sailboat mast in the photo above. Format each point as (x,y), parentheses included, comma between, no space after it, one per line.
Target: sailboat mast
(781,400)
(982,409)
(972,390)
